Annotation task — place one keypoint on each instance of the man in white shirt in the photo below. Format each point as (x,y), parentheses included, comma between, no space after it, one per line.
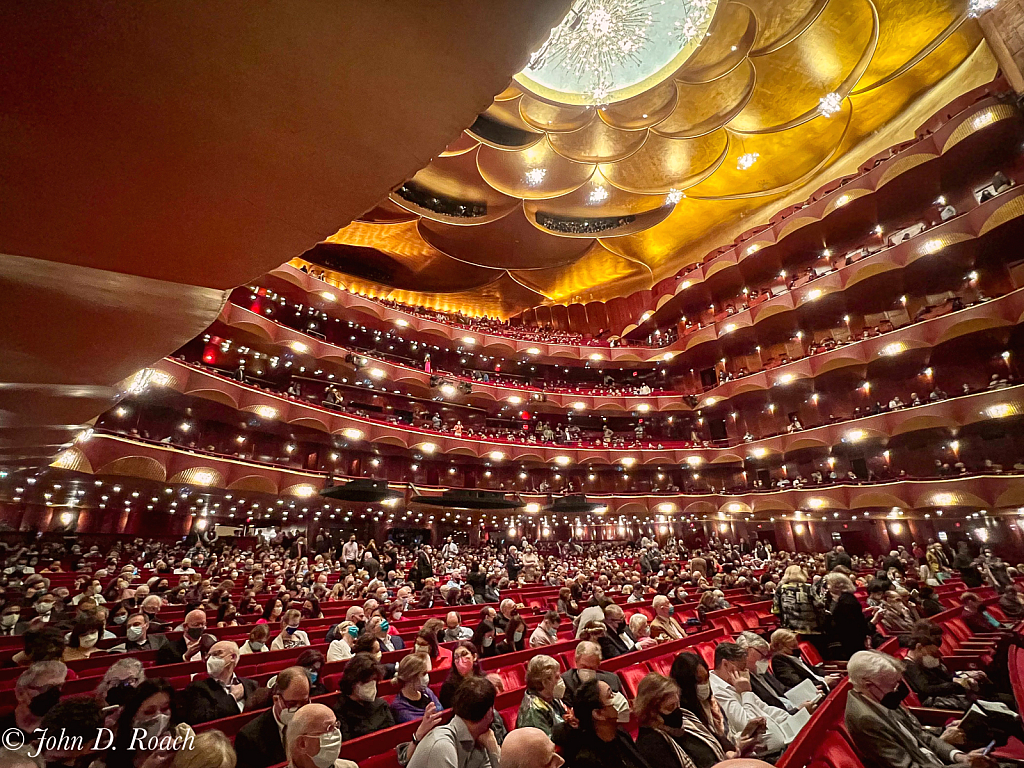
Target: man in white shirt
(350,552)
(730,684)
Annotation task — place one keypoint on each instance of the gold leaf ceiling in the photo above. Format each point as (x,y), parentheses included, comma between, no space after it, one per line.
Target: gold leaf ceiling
(753,86)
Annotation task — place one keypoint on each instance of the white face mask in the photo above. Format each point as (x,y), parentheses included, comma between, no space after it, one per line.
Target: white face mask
(154,728)
(134,633)
(286,716)
(215,665)
(10,619)
(704,691)
(424,681)
(931,662)
(559,692)
(761,666)
(88,641)
(330,748)
(488,641)
(366,691)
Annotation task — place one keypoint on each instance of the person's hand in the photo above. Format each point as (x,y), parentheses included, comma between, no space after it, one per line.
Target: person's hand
(954,736)
(832,680)
(742,682)
(810,706)
(191,648)
(431,718)
(570,718)
(976,760)
(488,742)
(238,691)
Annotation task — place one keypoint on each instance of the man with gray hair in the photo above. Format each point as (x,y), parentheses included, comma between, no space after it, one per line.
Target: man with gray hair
(35,693)
(454,630)
(618,639)
(588,662)
(120,681)
(313,740)
(763,683)
(221,693)
(885,733)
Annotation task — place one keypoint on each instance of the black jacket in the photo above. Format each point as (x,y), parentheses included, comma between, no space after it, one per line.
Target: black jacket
(172,651)
(572,683)
(846,628)
(927,683)
(788,672)
(205,700)
(358,718)
(258,743)
(612,645)
(770,691)
(620,753)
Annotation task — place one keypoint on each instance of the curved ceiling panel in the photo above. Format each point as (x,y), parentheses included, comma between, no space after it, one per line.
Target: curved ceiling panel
(509,243)
(663,164)
(555,118)
(705,107)
(641,111)
(597,142)
(732,36)
(780,23)
(532,174)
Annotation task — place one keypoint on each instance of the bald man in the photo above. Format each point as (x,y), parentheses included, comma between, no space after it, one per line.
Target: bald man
(193,645)
(312,739)
(220,692)
(529,748)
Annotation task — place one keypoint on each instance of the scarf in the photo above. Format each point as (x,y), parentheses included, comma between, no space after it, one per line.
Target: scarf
(694,726)
(668,734)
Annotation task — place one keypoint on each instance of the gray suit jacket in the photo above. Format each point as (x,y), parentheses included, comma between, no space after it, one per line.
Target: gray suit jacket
(882,743)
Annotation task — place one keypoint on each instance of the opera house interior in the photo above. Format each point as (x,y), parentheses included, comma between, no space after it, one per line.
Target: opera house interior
(617,383)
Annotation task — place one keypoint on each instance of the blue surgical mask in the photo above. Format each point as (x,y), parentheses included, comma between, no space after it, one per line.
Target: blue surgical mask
(313,676)
(291,630)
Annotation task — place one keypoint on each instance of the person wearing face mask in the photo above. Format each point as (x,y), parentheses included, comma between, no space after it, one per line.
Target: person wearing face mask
(762,682)
(588,662)
(884,731)
(219,693)
(313,662)
(617,640)
(260,742)
(46,607)
(36,691)
(257,642)
(603,743)
(426,642)
(934,685)
(514,637)
(290,636)
(789,666)
(10,620)
(546,632)
(454,630)
(415,700)
(464,665)
(730,685)
(467,741)
(661,739)
(313,739)
(379,628)
(194,643)
(341,648)
(151,605)
(704,731)
(145,714)
(137,637)
(845,630)
(359,709)
(542,705)
(483,638)
(82,643)
(664,626)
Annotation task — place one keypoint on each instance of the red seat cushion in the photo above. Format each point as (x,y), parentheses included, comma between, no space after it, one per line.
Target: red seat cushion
(631,677)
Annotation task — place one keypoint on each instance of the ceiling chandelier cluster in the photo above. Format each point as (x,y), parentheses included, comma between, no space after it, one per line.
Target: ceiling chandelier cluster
(977,7)
(830,104)
(603,43)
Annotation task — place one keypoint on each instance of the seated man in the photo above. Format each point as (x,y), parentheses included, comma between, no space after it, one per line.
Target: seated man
(617,640)
(137,637)
(762,682)
(219,693)
(312,739)
(259,743)
(37,690)
(467,741)
(588,662)
(454,630)
(730,685)
(529,748)
(664,626)
(885,733)
(193,645)
(934,685)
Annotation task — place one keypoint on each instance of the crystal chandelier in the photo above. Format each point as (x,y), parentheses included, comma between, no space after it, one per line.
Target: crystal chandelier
(535,176)
(674,196)
(601,44)
(977,7)
(598,194)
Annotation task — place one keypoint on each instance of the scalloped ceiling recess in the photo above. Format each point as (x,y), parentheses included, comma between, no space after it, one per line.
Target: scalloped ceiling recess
(583,183)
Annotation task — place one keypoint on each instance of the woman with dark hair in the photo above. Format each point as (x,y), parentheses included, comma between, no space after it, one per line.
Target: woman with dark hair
(703,730)
(465,663)
(602,743)
(147,708)
(426,642)
(118,613)
(272,610)
(483,638)
(227,615)
(476,578)
(311,608)
(313,662)
(248,606)
(84,635)
(514,638)
(359,710)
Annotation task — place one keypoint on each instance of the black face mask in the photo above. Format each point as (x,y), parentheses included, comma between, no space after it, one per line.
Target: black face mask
(194,632)
(673,719)
(120,693)
(43,702)
(893,699)
(361,625)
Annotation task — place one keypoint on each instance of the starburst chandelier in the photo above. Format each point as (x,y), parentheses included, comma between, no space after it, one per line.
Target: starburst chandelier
(977,7)
(829,104)
(599,40)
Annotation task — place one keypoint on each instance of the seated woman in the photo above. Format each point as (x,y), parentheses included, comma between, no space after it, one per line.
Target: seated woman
(359,710)
(290,636)
(661,721)
(542,705)
(465,663)
(483,638)
(426,642)
(341,649)
(789,666)
(257,642)
(704,732)
(415,696)
(82,643)
(313,662)
(514,638)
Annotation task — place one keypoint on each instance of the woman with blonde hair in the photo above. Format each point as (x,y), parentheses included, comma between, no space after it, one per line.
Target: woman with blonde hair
(210,749)
(797,605)
(661,728)
(290,636)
